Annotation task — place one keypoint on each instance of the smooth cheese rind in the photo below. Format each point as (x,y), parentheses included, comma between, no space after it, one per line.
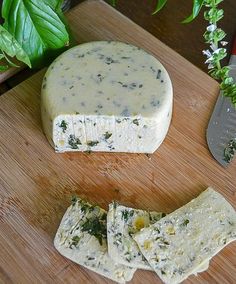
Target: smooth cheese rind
(122,222)
(182,242)
(76,240)
(106,96)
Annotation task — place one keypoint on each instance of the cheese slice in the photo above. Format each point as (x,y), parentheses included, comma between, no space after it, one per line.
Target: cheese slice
(203,267)
(82,237)
(182,242)
(106,96)
(122,222)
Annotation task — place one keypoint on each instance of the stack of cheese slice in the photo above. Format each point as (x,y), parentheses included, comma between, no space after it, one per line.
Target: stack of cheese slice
(106,96)
(180,243)
(174,246)
(122,223)
(81,237)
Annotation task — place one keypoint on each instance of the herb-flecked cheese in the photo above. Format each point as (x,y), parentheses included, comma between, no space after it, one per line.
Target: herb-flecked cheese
(182,243)
(82,237)
(122,223)
(106,96)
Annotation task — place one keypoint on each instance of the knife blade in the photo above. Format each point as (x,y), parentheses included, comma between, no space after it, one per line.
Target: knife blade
(222,125)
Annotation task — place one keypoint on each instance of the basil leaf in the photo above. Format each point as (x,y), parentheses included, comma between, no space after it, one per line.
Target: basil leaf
(197,5)
(54,4)
(9,46)
(37,26)
(10,62)
(4,67)
(160,4)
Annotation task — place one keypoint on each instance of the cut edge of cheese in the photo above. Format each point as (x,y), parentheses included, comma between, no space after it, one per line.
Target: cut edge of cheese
(114,120)
(175,257)
(123,221)
(69,236)
(108,135)
(201,268)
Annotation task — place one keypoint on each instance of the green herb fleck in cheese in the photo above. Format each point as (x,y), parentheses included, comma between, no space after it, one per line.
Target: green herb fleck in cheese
(110,96)
(63,125)
(82,238)
(96,227)
(123,222)
(183,242)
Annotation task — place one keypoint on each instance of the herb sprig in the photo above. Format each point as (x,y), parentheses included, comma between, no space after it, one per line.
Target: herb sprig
(9,47)
(214,37)
(230,151)
(34,32)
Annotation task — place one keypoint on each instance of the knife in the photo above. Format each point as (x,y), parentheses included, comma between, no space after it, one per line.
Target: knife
(221,129)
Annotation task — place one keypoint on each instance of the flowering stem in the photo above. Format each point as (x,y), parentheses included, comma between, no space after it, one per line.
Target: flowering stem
(218,65)
(214,36)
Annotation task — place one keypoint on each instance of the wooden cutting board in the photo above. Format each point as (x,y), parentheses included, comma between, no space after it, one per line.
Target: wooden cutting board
(36,183)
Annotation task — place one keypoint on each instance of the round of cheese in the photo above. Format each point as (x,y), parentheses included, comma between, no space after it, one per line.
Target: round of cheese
(106,96)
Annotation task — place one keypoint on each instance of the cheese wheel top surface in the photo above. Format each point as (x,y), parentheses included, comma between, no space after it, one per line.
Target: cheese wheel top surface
(107,78)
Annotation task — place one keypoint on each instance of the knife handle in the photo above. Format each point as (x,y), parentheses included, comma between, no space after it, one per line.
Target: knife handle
(234,46)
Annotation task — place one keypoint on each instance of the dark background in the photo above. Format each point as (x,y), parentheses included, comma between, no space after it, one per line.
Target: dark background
(186,39)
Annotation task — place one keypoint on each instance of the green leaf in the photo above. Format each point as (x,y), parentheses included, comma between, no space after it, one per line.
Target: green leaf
(54,4)
(160,4)
(215,36)
(37,26)
(197,5)
(213,15)
(10,62)
(113,2)
(228,81)
(9,46)
(217,2)
(220,74)
(3,68)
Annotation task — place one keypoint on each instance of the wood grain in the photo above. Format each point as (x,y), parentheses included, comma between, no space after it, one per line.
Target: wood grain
(36,183)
